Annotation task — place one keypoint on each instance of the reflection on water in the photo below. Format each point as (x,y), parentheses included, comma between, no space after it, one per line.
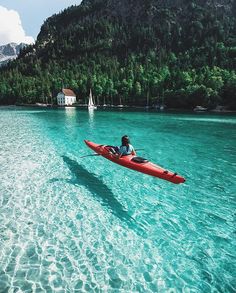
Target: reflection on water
(91,117)
(70,113)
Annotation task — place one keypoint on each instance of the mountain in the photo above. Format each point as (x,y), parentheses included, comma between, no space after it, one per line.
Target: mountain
(134,52)
(123,26)
(10,51)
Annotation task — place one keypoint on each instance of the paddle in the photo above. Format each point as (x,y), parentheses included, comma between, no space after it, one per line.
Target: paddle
(92,155)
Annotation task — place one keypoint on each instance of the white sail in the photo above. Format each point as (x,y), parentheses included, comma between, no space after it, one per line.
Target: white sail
(90,102)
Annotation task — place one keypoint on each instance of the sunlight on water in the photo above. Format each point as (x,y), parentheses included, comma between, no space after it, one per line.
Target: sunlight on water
(69,224)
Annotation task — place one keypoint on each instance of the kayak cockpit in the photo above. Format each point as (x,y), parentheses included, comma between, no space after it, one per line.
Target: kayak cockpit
(139,160)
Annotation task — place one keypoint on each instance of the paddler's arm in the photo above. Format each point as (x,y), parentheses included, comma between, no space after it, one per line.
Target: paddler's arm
(117,156)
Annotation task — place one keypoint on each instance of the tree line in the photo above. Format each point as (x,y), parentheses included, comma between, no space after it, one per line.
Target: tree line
(183,63)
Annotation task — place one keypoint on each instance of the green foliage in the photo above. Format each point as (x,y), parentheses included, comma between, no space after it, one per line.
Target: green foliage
(186,56)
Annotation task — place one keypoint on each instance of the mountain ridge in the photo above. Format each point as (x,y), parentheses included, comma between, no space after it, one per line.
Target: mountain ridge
(10,51)
(138,50)
(129,14)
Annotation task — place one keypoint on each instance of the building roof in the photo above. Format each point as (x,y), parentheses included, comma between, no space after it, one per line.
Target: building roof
(68,92)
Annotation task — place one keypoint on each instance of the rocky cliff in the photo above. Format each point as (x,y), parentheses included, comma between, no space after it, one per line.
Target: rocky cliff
(9,52)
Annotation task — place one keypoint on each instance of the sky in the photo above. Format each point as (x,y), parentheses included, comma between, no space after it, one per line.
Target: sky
(21,20)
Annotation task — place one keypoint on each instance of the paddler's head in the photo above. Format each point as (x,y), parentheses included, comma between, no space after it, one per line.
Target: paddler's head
(125,140)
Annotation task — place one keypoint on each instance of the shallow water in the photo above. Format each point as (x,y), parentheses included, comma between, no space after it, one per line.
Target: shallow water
(87,225)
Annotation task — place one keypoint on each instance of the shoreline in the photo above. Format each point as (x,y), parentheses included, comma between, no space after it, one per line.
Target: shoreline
(117,107)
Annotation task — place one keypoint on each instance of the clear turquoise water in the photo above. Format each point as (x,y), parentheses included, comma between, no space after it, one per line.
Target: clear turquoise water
(87,225)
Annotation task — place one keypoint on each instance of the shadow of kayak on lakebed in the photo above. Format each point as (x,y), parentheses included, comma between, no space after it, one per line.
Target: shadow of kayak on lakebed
(101,192)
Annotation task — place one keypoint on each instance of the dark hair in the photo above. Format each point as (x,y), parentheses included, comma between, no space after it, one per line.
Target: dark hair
(125,140)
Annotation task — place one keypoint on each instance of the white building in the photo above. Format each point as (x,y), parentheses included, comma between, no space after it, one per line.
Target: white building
(66,97)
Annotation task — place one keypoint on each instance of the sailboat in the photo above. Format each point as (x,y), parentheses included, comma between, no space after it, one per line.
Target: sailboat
(90,102)
(120,105)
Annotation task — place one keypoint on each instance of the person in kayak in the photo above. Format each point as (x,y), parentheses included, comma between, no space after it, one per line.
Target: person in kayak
(126,148)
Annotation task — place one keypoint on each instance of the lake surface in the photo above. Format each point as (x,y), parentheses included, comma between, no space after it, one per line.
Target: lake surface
(69,224)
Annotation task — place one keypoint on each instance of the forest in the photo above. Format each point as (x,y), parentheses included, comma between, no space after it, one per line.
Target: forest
(140,53)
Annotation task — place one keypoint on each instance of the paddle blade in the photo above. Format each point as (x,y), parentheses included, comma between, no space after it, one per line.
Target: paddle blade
(90,155)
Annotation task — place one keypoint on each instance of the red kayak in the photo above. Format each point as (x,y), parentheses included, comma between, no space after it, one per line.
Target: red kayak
(136,163)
